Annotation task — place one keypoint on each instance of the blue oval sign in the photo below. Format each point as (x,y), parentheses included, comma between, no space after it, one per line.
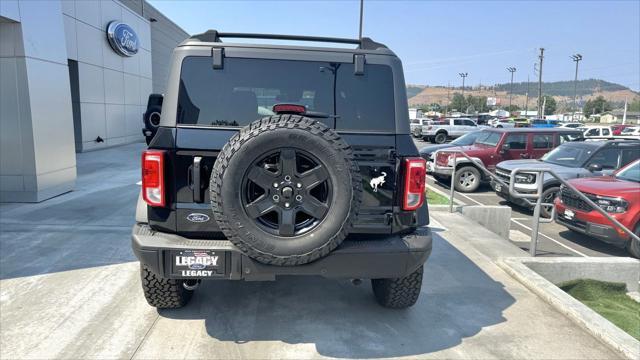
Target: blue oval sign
(122,38)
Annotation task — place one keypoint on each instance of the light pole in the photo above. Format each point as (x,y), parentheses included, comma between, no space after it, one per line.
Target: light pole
(576,58)
(463,76)
(511,70)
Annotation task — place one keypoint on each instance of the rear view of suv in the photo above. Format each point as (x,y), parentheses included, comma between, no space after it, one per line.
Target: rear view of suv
(282,160)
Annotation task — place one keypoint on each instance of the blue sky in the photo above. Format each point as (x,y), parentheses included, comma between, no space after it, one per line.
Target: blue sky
(438,39)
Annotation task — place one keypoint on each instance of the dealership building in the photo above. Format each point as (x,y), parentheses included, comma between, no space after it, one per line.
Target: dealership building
(74,76)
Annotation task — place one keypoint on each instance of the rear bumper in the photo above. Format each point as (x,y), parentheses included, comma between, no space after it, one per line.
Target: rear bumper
(383,257)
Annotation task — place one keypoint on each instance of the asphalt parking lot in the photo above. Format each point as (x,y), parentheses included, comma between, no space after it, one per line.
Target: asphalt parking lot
(70,288)
(553,239)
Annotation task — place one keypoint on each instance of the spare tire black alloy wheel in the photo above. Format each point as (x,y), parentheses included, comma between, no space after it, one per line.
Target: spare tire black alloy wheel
(285,190)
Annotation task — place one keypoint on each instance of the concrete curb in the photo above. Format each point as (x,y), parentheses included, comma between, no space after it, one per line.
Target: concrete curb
(495,218)
(586,318)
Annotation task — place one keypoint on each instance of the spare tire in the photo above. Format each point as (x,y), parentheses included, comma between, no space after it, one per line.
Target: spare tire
(285,190)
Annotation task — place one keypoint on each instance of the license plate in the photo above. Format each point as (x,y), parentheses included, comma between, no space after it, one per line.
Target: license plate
(569,214)
(198,263)
(498,188)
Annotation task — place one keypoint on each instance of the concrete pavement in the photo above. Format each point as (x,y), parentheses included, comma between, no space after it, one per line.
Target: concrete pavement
(70,288)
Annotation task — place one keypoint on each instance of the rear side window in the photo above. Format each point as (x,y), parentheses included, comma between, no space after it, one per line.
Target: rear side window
(365,102)
(245,90)
(469,123)
(629,155)
(542,141)
(593,132)
(607,158)
(517,141)
(605,132)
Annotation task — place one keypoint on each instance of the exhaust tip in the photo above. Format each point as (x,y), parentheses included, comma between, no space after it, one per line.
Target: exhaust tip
(191,284)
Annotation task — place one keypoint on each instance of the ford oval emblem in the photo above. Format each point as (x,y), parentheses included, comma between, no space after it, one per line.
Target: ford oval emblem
(122,38)
(198,218)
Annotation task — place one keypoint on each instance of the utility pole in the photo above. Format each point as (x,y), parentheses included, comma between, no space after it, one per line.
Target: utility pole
(446,109)
(541,57)
(526,106)
(361,12)
(511,70)
(576,58)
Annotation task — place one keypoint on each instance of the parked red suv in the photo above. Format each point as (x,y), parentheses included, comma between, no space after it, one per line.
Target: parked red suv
(618,194)
(496,146)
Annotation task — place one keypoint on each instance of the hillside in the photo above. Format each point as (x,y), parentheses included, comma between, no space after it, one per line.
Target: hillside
(562,92)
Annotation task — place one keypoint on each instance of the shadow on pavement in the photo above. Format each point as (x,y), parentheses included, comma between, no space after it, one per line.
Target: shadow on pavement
(457,301)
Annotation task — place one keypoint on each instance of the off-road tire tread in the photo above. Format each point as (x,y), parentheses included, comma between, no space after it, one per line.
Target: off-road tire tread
(272,123)
(398,293)
(163,293)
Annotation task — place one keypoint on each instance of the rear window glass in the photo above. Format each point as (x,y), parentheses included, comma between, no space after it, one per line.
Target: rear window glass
(246,90)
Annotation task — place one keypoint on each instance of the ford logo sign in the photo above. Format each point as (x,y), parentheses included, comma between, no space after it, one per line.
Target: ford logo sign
(122,38)
(198,218)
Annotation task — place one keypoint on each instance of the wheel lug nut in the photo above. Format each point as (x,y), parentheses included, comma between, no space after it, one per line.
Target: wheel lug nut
(298,197)
(298,185)
(276,198)
(275,185)
(287,205)
(287,178)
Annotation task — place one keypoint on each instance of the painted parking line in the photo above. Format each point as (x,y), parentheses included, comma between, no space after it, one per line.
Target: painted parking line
(552,239)
(528,228)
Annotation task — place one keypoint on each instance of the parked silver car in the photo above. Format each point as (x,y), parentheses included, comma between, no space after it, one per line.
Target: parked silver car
(570,160)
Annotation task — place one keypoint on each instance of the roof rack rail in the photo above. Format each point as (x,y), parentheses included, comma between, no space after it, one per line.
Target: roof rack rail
(215,36)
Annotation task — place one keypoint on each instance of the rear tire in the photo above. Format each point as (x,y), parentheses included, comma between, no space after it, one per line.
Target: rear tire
(634,246)
(441,138)
(467,179)
(399,293)
(163,293)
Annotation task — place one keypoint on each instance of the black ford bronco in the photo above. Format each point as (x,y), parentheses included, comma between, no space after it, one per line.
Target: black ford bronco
(269,160)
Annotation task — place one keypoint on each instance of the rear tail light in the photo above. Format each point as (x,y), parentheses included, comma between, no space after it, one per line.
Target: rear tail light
(415,170)
(153,191)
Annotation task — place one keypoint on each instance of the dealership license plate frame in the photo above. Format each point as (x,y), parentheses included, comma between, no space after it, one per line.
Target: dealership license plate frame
(198,271)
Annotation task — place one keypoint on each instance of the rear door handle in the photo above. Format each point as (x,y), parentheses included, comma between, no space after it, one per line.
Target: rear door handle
(524,156)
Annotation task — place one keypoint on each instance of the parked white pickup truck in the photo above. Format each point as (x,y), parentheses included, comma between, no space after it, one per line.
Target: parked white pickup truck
(443,130)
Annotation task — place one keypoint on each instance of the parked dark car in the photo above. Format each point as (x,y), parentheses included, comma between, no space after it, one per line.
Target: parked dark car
(282,160)
(618,195)
(499,145)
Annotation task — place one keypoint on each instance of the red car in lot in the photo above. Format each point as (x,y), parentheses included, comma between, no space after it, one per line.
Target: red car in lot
(497,145)
(618,194)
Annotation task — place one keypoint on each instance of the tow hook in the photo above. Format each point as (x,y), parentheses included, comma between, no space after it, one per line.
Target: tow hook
(191,284)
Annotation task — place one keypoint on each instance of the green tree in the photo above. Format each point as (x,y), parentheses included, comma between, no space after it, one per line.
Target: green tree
(634,105)
(596,106)
(458,102)
(550,106)
(512,108)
